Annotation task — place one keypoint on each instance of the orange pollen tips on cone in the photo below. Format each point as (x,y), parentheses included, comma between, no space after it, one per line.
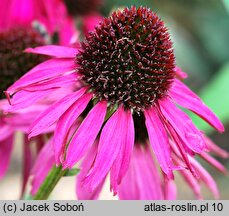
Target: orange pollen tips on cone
(128,59)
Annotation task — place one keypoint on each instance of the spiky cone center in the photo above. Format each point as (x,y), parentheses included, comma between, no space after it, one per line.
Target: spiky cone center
(82,7)
(14,62)
(128,59)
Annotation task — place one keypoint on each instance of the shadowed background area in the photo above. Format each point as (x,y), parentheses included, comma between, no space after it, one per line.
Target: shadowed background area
(200,33)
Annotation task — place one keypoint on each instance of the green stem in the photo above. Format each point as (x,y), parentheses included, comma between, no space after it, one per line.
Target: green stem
(49,183)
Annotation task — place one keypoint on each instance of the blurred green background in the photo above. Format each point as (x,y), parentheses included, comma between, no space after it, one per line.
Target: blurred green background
(200,33)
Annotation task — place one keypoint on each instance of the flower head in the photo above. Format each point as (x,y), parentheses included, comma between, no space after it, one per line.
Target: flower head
(14,62)
(128,95)
(128,59)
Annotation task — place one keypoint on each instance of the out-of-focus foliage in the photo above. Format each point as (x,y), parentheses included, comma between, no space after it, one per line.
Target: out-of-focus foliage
(216,95)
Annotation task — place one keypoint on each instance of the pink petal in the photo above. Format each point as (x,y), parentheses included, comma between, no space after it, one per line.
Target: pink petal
(170,190)
(188,99)
(55,51)
(190,180)
(215,149)
(159,140)
(44,163)
(20,14)
(206,178)
(23,99)
(86,134)
(109,148)
(90,21)
(46,70)
(6,147)
(183,126)
(121,163)
(6,130)
(82,192)
(193,183)
(57,82)
(27,162)
(179,150)
(20,120)
(68,33)
(142,181)
(65,123)
(214,162)
(53,113)
(180,74)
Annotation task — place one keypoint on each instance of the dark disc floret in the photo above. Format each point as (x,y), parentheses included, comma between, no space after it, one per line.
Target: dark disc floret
(128,59)
(82,7)
(14,62)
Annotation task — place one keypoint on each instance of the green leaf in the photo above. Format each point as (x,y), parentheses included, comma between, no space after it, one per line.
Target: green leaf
(216,96)
(72,172)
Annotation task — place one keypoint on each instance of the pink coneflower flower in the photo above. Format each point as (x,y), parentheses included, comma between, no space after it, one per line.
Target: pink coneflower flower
(143,180)
(129,92)
(52,15)
(15,63)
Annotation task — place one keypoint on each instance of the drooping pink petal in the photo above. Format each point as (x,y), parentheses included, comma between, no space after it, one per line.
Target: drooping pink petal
(188,99)
(214,162)
(44,163)
(159,140)
(57,82)
(27,163)
(206,178)
(170,190)
(21,15)
(53,113)
(179,150)
(64,125)
(55,51)
(86,134)
(5,153)
(109,147)
(82,192)
(121,163)
(142,181)
(183,126)
(68,33)
(90,22)
(20,120)
(52,14)
(23,99)
(215,149)
(5,130)
(190,179)
(46,70)
(180,74)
